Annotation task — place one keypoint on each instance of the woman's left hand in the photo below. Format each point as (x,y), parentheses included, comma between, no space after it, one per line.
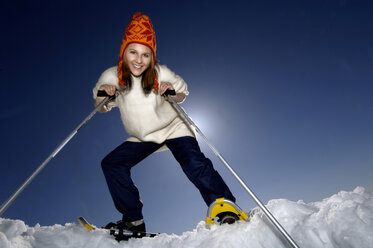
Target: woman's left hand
(164,86)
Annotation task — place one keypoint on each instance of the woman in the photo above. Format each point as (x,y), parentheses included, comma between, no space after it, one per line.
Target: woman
(139,82)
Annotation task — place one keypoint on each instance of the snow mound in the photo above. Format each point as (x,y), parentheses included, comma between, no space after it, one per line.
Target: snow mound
(343,220)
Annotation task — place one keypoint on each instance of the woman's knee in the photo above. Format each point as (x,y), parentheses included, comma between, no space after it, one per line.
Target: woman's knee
(105,163)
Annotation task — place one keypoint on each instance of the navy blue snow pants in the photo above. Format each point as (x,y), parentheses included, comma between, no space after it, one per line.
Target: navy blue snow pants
(199,169)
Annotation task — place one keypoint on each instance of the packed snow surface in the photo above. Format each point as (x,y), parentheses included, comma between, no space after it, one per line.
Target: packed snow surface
(342,220)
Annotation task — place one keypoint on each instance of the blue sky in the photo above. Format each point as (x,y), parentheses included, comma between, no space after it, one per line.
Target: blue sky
(281,88)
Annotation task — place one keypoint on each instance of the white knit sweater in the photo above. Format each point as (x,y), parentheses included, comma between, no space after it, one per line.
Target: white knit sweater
(147,117)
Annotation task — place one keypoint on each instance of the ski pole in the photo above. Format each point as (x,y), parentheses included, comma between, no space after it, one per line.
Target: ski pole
(189,121)
(11,199)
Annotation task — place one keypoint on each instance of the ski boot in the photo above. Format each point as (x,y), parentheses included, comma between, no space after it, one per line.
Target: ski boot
(134,226)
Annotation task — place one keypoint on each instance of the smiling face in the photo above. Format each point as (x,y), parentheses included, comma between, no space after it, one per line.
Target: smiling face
(138,58)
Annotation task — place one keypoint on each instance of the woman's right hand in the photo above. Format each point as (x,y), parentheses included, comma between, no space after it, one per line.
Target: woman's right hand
(109,89)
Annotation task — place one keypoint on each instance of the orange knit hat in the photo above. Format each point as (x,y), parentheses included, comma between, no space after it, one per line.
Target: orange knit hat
(139,30)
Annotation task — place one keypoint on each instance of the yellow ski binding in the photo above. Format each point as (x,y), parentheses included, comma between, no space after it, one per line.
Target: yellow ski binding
(222,207)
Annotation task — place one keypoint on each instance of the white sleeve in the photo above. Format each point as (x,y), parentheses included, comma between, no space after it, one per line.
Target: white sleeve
(110,76)
(166,75)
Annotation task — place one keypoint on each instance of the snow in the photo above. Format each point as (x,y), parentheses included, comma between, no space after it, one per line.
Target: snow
(342,220)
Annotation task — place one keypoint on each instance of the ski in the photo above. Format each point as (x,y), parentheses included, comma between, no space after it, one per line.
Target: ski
(119,234)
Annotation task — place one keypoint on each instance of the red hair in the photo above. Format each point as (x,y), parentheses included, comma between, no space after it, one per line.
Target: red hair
(149,77)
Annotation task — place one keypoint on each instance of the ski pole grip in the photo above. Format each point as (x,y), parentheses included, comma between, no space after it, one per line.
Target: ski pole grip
(102,93)
(170,92)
